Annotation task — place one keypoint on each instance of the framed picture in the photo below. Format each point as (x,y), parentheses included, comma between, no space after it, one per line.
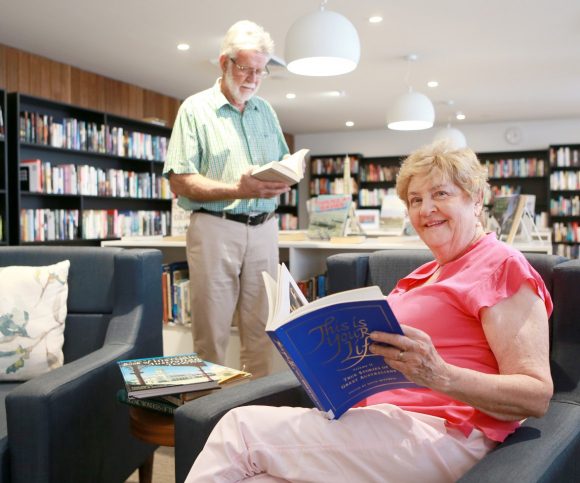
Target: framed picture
(368,219)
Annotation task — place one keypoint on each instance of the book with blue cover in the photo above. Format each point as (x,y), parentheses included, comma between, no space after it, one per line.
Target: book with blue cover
(326,342)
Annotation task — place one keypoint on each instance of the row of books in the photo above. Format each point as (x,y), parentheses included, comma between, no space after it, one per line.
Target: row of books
(121,223)
(287,221)
(164,383)
(565,180)
(372,197)
(333,165)
(290,198)
(376,172)
(566,232)
(324,186)
(516,167)
(48,225)
(72,133)
(564,157)
(568,251)
(314,287)
(562,206)
(39,225)
(43,177)
(175,293)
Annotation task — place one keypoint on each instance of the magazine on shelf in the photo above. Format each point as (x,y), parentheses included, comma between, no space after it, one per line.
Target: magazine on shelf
(326,342)
(328,216)
(289,170)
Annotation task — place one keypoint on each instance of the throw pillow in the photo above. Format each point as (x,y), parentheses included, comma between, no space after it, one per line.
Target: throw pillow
(32,315)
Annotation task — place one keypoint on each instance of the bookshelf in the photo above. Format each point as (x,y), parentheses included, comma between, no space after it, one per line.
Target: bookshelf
(80,176)
(3,171)
(287,210)
(526,172)
(376,176)
(327,173)
(564,199)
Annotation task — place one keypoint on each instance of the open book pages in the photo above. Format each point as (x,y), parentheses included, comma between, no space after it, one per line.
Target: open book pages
(289,170)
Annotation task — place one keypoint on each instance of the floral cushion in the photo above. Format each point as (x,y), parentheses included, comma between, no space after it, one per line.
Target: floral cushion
(32,315)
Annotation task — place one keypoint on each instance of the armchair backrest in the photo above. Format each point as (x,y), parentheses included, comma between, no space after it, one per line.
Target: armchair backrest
(102,281)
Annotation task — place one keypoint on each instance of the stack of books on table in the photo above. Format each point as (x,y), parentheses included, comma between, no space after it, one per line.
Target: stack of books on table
(165,383)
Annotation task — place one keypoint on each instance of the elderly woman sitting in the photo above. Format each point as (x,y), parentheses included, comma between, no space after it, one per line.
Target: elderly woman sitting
(475,324)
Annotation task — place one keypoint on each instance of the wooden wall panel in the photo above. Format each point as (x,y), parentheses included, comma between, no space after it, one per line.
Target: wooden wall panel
(38,76)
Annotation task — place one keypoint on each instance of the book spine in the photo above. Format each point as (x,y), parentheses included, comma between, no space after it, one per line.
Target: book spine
(152,404)
(290,361)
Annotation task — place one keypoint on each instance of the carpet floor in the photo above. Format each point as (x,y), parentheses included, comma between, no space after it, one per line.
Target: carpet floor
(163,467)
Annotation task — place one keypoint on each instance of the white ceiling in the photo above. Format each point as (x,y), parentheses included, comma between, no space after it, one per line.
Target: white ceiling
(498,60)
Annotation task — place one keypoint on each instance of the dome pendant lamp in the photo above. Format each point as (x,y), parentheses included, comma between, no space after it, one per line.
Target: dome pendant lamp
(323,43)
(454,136)
(412,111)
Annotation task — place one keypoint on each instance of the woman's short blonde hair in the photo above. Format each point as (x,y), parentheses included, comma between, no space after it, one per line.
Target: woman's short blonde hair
(458,166)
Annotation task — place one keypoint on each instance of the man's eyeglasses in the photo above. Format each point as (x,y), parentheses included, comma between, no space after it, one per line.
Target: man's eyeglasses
(244,69)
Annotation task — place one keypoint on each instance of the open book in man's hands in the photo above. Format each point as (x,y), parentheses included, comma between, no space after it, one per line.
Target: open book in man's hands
(326,342)
(290,170)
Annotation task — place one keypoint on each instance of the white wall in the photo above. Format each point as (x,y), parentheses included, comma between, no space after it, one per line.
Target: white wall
(484,137)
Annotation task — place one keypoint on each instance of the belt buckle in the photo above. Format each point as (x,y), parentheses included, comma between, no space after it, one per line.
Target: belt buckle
(251,219)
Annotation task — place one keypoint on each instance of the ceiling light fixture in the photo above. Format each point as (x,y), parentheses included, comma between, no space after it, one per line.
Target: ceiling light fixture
(453,135)
(323,43)
(375,19)
(290,95)
(433,83)
(460,116)
(412,111)
(182,46)
(349,124)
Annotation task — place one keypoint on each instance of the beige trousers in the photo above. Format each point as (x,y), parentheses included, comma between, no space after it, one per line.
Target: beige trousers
(226,259)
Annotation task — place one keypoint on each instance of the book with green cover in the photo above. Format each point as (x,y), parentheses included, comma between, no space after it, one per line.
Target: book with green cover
(155,404)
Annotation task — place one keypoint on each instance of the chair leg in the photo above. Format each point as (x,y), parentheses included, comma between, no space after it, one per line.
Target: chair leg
(146,470)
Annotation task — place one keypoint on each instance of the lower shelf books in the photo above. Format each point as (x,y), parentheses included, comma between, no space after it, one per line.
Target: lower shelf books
(158,404)
(326,342)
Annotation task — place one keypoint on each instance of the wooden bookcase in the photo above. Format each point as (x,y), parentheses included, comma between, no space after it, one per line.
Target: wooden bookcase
(376,176)
(564,199)
(4,220)
(100,174)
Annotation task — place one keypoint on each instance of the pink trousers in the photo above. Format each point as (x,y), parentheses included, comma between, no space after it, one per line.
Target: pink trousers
(381,443)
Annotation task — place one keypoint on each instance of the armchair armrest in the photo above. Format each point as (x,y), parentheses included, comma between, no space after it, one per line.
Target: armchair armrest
(195,420)
(72,413)
(541,450)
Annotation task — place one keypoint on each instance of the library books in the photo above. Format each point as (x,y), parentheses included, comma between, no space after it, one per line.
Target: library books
(328,216)
(326,342)
(508,211)
(159,376)
(289,170)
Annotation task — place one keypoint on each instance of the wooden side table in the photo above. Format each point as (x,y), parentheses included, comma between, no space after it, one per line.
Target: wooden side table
(151,427)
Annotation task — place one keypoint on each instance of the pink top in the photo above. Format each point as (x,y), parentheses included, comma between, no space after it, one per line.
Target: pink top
(448,310)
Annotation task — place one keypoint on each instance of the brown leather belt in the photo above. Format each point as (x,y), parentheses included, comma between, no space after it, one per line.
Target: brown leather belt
(250,220)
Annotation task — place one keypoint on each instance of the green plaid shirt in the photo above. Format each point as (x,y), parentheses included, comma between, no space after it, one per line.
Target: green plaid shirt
(212,138)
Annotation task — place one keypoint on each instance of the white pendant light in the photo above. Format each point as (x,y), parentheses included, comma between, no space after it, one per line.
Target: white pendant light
(412,111)
(323,43)
(454,136)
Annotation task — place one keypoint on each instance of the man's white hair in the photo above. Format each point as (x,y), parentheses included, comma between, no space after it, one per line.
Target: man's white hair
(246,35)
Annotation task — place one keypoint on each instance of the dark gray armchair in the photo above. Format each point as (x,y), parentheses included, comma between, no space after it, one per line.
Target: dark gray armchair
(542,450)
(66,425)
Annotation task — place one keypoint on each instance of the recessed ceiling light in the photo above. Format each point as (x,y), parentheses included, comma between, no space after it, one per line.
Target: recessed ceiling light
(290,95)
(375,19)
(335,93)
(460,116)
(182,46)
(432,83)
(349,124)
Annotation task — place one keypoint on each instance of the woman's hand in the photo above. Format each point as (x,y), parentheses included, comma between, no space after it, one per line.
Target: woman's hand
(414,355)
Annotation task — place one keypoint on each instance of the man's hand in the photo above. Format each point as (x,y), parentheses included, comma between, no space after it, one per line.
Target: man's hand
(250,187)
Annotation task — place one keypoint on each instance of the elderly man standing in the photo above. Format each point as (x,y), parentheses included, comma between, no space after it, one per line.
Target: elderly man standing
(219,136)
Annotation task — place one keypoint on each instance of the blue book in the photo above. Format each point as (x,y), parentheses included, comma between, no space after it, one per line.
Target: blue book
(326,342)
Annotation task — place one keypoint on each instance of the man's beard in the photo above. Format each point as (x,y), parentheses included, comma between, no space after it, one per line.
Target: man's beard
(235,91)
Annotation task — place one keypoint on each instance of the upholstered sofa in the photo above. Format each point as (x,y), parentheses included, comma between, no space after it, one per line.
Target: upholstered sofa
(66,425)
(542,450)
